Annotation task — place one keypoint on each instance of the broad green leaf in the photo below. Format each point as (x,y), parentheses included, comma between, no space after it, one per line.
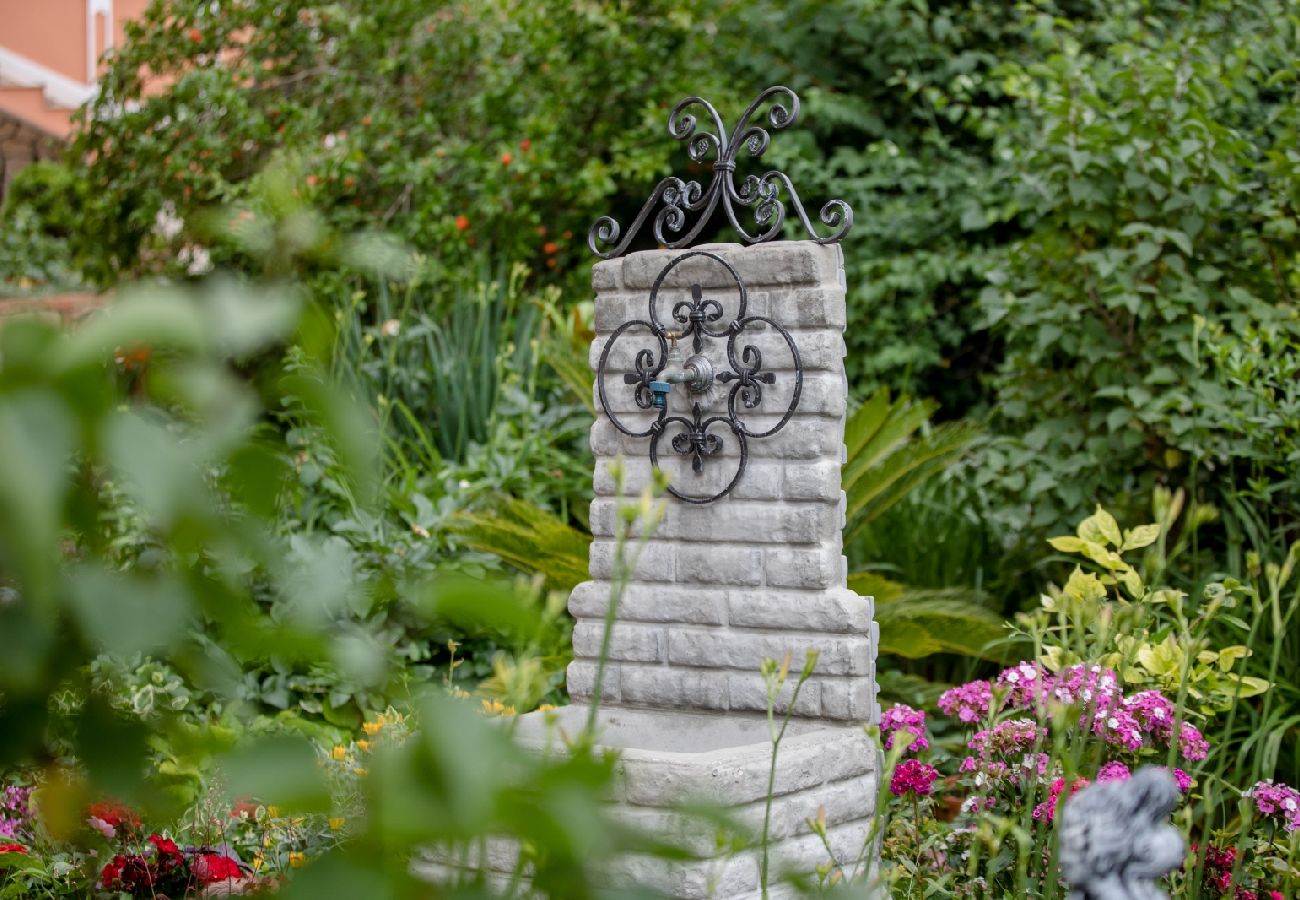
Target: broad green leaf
(1139,537)
(281,771)
(1084,587)
(152,317)
(125,614)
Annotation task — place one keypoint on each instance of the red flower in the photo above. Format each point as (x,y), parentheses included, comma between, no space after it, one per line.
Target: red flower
(525,145)
(914,777)
(12,848)
(110,811)
(111,874)
(507,158)
(550,247)
(166,848)
(462,222)
(196,35)
(210,867)
(244,808)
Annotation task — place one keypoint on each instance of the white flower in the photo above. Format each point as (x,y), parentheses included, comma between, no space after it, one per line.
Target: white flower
(197,260)
(166,224)
(390,328)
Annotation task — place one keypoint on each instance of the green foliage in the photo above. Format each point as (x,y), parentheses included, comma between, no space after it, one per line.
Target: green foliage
(884,465)
(530,539)
(492,125)
(218,591)
(1156,200)
(36,221)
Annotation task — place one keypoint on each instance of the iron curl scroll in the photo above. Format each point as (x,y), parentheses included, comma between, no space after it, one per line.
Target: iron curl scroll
(702,320)
(684,200)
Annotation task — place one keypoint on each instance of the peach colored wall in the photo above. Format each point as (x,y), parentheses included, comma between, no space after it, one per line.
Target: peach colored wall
(53,32)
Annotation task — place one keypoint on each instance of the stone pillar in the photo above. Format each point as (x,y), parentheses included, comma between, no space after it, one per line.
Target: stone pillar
(760,572)
(721,586)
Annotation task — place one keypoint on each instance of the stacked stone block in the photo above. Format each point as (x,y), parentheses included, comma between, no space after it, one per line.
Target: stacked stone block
(759,573)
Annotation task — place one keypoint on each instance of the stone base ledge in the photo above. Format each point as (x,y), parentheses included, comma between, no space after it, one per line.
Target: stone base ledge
(668,759)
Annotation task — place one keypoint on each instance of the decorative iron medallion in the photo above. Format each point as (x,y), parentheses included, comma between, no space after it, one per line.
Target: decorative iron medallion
(657,371)
(761,193)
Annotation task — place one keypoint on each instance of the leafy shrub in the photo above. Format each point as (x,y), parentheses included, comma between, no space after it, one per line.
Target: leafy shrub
(458,127)
(1154,203)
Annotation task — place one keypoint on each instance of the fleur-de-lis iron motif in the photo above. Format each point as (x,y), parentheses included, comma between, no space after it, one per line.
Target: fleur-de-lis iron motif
(700,318)
(761,193)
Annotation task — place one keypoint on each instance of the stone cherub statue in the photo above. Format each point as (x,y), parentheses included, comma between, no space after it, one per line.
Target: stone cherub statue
(1116,838)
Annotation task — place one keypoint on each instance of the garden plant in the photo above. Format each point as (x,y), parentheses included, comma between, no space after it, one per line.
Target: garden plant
(287,530)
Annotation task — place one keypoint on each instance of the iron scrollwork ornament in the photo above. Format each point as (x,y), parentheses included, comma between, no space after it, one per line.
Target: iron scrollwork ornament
(762,194)
(654,372)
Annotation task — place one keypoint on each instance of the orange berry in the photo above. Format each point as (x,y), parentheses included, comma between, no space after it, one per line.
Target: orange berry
(312,181)
(525,145)
(541,230)
(196,35)
(550,262)
(550,247)
(462,222)
(507,158)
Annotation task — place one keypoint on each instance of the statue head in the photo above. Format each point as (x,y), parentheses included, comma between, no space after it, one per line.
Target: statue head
(1116,838)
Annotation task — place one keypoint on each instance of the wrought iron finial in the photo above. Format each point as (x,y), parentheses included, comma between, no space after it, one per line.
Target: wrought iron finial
(1116,838)
(761,193)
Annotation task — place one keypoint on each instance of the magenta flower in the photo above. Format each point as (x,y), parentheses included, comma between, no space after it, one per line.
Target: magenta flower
(913,777)
(1191,744)
(1278,800)
(969,702)
(1114,771)
(1154,712)
(1026,685)
(904,718)
(1008,738)
(1117,726)
(1046,811)
(1089,686)
(1184,780)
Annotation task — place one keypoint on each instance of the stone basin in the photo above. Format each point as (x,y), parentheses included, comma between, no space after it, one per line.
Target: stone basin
(668,758)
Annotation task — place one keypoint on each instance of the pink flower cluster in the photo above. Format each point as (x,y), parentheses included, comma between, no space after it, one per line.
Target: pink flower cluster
(1277,800)
(15,812)
(1013,737)
(913,777)
(1126,723)
(968,703)
(1089,686)
(1046,811)
(1026,685)
(902,717)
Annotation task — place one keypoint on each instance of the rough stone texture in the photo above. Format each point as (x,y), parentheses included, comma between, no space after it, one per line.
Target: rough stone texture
(716,589)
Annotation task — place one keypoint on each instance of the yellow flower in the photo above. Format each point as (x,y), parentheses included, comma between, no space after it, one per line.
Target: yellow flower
(258,861)
(339,752)
(297,860)
(361,773)
(273,812)
(546,707)
(268,841)
(373,728)
(363,745)
(336,823)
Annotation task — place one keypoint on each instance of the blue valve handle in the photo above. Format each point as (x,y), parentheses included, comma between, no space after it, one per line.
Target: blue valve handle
(660,390)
